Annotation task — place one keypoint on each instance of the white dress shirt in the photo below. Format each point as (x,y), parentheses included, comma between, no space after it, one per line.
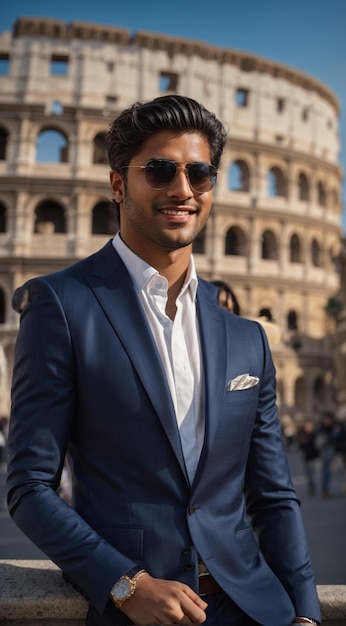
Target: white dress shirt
(178,345)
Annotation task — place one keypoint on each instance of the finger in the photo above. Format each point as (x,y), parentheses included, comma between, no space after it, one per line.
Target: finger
(195,598)
(194,609)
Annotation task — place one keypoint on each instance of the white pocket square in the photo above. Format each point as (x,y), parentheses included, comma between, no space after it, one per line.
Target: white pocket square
(244,381)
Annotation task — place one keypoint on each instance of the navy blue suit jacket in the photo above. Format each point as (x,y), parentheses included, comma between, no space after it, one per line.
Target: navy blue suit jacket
(88,376)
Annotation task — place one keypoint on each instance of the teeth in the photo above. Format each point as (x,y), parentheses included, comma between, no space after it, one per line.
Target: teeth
(173,212)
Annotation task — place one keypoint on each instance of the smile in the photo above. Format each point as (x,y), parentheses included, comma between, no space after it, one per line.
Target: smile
(175,212)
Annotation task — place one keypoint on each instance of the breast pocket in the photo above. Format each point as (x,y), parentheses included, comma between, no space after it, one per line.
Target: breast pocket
(242,395)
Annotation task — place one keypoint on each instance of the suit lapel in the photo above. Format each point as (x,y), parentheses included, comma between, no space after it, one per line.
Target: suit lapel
(213,336)
(117,296)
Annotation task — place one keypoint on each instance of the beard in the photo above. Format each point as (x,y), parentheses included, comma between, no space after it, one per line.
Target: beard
(145,223)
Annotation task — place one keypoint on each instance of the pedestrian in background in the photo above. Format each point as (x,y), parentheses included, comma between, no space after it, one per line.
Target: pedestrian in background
(227,297)
(306,438)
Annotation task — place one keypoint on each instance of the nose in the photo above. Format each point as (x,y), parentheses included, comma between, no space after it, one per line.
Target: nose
(180,186)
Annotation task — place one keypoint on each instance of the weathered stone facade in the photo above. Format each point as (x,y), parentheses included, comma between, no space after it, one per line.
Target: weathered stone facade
(274,234)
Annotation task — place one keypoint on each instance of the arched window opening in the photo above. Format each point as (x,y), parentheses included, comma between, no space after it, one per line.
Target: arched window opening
(265,312)
(3,144)
(51,147)
(168,82)
(276,183)
(315,253)
(104,221)
(304,187)
(300,393)
(295,251)
(321,194)
(50,218)
(239,176)
(198,246)
(269,246)
(242,97)
(235,242)
(2,306)
(319,391)
(2,218)
(57,108)
(292,320)
(100,154)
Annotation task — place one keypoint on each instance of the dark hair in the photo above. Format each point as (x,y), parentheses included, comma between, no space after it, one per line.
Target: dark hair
(137,123)
(222,286)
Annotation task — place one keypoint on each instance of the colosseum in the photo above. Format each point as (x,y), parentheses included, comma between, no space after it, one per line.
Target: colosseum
(274,234)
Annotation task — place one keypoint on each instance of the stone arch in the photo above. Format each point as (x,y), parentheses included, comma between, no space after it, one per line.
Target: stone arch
(100,152)
(277,186)
(2,306)
(50,217)
(266,312)
(3,218)
(103,219)
(303,187)
(239,176)
(51,146)
(316,253)
(319,391)
(292,320)
(269,246)
(300,392)
(321,194)
(295,249)
(3,143)
(235,242)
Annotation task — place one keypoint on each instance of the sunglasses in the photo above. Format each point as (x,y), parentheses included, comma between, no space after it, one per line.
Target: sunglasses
(159,173)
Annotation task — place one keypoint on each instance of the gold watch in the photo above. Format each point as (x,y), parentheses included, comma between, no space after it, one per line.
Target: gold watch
(125,587)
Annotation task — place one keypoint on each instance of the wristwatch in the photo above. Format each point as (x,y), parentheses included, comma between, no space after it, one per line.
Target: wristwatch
(125,587)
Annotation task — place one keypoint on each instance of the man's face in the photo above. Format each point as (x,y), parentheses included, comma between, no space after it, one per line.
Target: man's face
(169,218)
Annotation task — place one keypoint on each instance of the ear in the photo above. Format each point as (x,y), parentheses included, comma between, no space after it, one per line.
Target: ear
(117,186)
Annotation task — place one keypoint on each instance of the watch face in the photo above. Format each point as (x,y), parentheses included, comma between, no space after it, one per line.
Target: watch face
(122,589)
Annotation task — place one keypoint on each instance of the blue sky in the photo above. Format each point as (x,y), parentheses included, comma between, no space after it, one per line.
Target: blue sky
(309,35)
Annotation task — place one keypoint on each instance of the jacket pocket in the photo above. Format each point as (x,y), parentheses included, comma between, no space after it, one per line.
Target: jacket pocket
(248,546)
(128,541)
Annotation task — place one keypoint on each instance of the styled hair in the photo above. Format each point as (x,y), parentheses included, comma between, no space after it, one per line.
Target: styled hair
(140,121)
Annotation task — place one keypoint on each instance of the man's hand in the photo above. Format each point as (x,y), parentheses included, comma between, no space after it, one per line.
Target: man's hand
(158,601)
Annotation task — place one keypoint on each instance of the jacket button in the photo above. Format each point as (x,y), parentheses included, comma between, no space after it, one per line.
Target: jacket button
(186,551)
(189,567)
(191,509)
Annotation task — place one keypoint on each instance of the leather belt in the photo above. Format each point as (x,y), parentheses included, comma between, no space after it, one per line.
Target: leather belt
(208,585)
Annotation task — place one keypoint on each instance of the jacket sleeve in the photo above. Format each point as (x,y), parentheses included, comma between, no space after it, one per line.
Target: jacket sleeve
(272,503)
(44,398)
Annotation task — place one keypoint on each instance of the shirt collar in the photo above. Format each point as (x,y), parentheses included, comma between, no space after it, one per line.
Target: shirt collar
(141,272)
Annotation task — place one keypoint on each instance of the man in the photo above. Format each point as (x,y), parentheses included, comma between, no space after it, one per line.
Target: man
(183,509)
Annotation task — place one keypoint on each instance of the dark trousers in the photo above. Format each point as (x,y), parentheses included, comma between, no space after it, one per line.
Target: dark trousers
(221,611)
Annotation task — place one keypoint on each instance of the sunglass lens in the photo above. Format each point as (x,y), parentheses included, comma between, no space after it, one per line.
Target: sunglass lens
(159,173)
(202,176)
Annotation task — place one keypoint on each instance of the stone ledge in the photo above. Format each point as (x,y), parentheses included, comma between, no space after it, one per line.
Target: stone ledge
(34,593)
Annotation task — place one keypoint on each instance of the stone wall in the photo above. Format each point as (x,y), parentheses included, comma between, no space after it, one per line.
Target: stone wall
(33,593)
